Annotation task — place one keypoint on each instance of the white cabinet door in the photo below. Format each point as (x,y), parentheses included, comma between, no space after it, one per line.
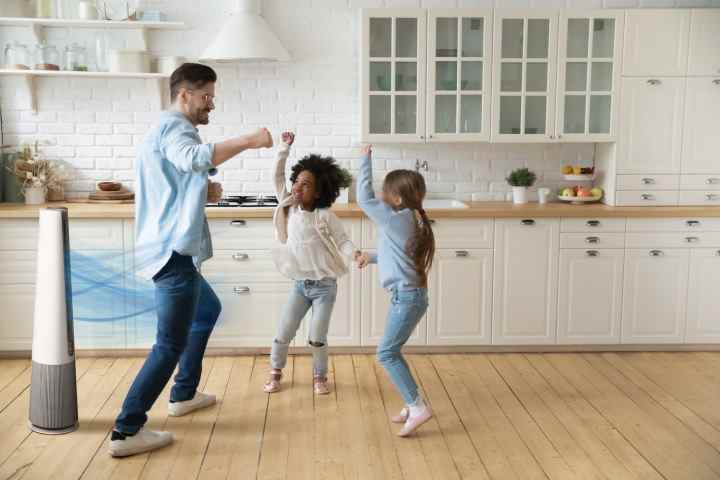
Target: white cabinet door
(459,67)
(656,42)
(589,296)
(589,48)
(375,308)
(16,321)
(651,112)
(524,69)
(460,298)
(654,296)
(703,304)
(525,281)
(392,75)
(704,55)
(701,141)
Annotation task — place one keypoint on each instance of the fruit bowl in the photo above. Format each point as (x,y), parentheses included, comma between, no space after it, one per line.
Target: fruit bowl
(109,186)
(579,200)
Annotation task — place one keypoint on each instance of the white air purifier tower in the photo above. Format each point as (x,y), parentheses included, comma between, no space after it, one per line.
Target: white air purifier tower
(53,391)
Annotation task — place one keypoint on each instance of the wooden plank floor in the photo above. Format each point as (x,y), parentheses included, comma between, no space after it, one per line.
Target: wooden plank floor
(515,416)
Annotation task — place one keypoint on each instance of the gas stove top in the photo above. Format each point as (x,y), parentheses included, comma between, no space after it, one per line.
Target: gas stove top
(246,201)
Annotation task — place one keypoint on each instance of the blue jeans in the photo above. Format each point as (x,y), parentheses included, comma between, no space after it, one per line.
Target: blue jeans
(407,309)
(187,309)
(320,295)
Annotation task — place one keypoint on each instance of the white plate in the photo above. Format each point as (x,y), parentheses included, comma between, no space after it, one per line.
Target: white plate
(579,200)
(580,178)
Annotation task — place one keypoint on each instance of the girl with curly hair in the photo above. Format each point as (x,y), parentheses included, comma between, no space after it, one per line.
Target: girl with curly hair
(315,252)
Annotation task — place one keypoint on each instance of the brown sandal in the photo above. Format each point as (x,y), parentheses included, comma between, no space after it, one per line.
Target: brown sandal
(273,383)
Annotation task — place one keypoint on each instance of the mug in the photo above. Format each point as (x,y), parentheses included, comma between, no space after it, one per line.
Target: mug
(543,194)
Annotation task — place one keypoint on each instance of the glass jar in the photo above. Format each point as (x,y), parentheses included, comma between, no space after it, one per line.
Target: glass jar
(45,9)
(17,56)
(46,57)
(76,58)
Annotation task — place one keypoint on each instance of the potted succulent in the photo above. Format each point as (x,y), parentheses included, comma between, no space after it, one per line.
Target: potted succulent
(520,179)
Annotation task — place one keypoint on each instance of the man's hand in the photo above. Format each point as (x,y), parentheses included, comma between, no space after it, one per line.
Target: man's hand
(260,138)
(362,259)
(288,137)
(215,192)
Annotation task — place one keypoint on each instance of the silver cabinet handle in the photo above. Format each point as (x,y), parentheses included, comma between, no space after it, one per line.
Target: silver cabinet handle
(654,81)
(559,136)
(656,253)
(462,253)
(647,181)
(647,196)
(692,239)
(238,223)
(692,223)
(240,257)
(241,290)
(716,81)
(431,136)
(717,253)
(711,196)
(593,223)
(528,222)
(552,137)
(592,253)
(592,240)
(712,181)
(422,137)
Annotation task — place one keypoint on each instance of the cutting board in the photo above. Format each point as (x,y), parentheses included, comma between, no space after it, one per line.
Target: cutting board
(122,194)
(88,200)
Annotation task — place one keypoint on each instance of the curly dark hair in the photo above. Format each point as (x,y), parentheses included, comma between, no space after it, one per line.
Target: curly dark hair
(329,177)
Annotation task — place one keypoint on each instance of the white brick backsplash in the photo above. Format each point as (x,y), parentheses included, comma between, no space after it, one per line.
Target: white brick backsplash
(56,128)
(21,128)
(82,163)
(94,128)
(76,140)
(94,151)
(125,151)
(113,140)
(114,163)
(131,129)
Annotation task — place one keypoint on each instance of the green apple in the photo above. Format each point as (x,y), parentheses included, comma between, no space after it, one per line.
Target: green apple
(596,192)
(568,192)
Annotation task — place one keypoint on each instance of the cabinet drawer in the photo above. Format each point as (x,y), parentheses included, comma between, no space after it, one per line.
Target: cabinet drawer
(18,234)
(95,234)
(18,267)
(698,197)
(672,240)
(647,198)
(647,182)
(673,224)
(242,233)
(449,233)
(700,182)
(230,266)
(592,225)
(591,241)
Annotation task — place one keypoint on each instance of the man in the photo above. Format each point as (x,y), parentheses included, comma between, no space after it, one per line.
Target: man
(172,240)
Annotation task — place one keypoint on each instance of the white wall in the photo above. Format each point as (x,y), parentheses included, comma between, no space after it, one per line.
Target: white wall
(95,124)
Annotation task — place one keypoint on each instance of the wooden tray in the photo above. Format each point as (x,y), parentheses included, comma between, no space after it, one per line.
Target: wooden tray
(122,194)
(88,200)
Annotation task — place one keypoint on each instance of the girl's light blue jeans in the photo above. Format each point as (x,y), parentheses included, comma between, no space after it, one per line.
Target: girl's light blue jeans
(406,310)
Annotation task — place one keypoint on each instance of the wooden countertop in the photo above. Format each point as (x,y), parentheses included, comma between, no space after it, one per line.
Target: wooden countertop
(476,210)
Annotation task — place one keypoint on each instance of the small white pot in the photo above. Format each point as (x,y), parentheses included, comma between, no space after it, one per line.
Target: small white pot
(34,196)
(519,194)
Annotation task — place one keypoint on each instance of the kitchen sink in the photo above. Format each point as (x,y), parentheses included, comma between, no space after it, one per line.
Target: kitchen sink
(443,203)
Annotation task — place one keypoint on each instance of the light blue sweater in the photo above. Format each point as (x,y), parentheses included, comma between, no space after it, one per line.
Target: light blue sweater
(395,228)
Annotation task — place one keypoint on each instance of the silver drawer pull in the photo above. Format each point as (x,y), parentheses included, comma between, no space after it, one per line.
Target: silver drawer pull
(592,240)
(592,253)
(593,223)
(241,257)
(692,223)
(647,196)
(462,253)
(241,290)
(712,181)
(238,223)
(717,253)
(711,196)
(692,239)
(654,81)
(528,221)
(656,253)
(716,81)
(648,181)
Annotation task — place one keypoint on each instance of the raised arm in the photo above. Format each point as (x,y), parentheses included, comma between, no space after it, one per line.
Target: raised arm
(281,160)
(378,211)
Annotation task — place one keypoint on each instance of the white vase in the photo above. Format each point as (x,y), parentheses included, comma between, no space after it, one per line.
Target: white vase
(34,196)
(519,194)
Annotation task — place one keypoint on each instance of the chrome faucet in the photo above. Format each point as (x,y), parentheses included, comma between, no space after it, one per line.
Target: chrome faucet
(424,165)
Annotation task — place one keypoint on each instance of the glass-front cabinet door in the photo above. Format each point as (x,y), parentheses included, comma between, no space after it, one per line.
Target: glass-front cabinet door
(589,74)
(459,72)
(393,70)
(524,75)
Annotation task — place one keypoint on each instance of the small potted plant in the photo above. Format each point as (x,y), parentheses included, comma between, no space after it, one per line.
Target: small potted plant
(32,172)
(520,179)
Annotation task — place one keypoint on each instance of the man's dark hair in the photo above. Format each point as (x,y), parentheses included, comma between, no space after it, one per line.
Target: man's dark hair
(190,75)
(329,177)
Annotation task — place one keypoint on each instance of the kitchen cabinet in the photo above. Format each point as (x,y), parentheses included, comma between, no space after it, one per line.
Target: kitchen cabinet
(16,321)
(525,275)
(654,295)
(588,76)
(524,74)
(701,142)
(460,287)
(589,296)
(704,54)
(703,302)
(656,42)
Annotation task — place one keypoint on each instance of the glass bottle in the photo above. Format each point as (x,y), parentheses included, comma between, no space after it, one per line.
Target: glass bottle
(46,57)
(17,56)
(76,58)
(45,9)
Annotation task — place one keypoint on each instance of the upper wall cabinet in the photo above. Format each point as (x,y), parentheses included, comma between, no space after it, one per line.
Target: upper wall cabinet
(589,74)
(524,69)
(704,56)
(656,43)
(393,73)
(459,68)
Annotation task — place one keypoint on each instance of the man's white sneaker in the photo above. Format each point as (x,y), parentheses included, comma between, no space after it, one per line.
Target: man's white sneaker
(200,400)
(143,441)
